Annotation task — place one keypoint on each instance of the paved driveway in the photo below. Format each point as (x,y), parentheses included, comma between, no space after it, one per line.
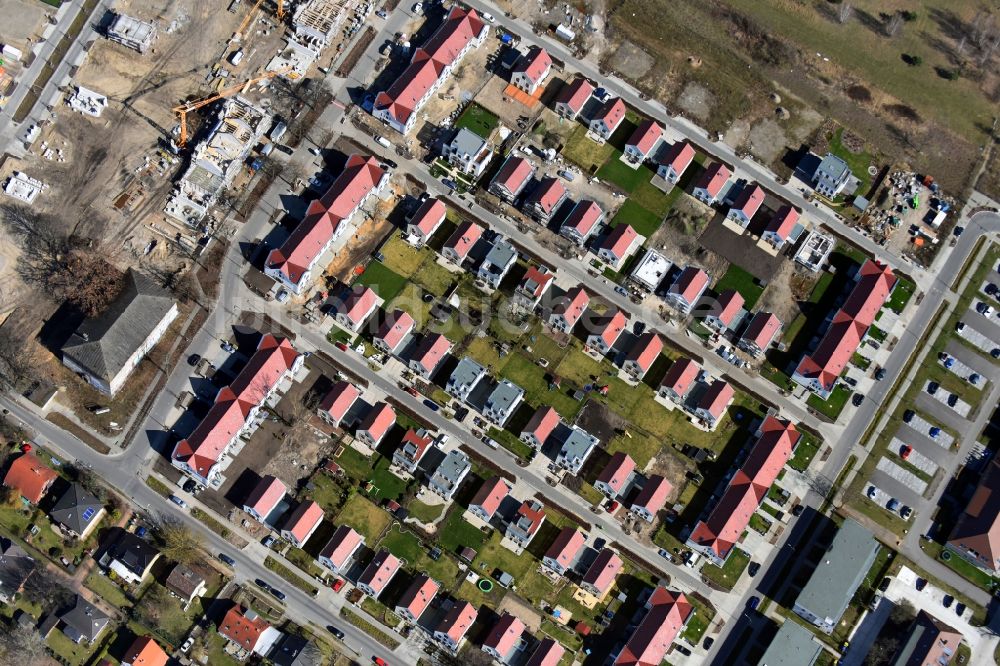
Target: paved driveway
(915,458)
(940,412)
(922,427)
(984,366)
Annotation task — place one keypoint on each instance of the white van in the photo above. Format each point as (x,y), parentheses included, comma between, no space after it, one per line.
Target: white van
(692,560)
(382,141)
(236,58)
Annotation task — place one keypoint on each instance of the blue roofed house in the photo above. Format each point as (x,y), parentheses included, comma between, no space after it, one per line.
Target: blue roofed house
(576,447)
(497,264)
(449,474)
(466,375)
(831,176)
(502,402)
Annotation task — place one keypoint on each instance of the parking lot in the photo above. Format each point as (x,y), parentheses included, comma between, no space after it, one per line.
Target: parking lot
(951,400)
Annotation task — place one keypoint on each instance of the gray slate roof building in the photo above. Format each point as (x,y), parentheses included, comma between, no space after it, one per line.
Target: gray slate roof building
(793,645)
(576,448)
(131,552)
(832,175)
(77,509)
(503,400)
(450,473)
(499,259)
(16,566)
(294,650)
(83,621)
(832,585)
(464,378)
(105,345)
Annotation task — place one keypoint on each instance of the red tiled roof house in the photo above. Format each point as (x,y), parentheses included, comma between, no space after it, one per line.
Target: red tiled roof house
(144,651)
(687,289)
(503,641)
(642,355)
(376,424)
(30,478)
(548,653)
(760,333)
(679,380)
(746,205)
(644,139)
(488,498)
(339,551)
(723,313)
(394,331)
(451,631)
(540,426)
(601,573)
(615,476)
(302,523)
(411,450)
(265,497)
(573,97)
(546,199)
(530,516)
(780,227)
(582,221)
(713,403)
(675,162)
(513,177)
(534,284)
(651,498)
(357,307)
(568,309)
(457,248)
(713,181)
(620,244)
(667,613)
(563,552)
(426,220)
(429,354)
(248,630)
(531,69)
(976,535)
(607,331)
(417,598)
(607,118)
(337,402)
(379,573)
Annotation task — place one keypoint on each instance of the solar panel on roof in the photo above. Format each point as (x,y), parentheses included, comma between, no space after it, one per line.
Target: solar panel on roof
(88,513)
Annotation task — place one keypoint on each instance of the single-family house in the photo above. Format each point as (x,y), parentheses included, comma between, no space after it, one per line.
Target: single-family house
(666,614)
(548,653)
(468,152)
(394,331)
(449,474)
(265,497)
(710,186)
(643,140)
(30,477)
(16,566)
(607,118)
(568,309)
(185,583)
(576,447)
(651,498)
(302,523)
(582,221)
(563,552)
(488,498)
(502,402)
(540,426)
(104,350)
(417,598)
(760,333)
(615,476)
(428,355)
(359,304)
(376,424)
(606,331)
(930,642)
(295,650)
(339,551)
(831,176)
(512,178)
(503,640)
(620,244)
(498,262)
(780,227)
(457,247)
(679,380)
(412,449)
(378,573)
(451,631)
(82,621)
(130,557)
(144,651)
(531,69)
(601,573)
(713,403)
(976,535)
(426,220)
(722,314)
(337,402)
(77,511)
(522,529)
(642,355)
(687,289)
(747,203)
(466,375)
(573,97)
(546,199)
(534,284)
(675,161)
(249,631)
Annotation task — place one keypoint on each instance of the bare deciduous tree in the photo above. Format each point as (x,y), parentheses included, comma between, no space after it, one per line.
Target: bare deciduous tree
(21,645)
(180,542)
(46,589)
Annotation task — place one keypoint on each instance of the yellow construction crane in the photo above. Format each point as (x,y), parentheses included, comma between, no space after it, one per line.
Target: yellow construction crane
(246,20)
(184,109)
(280,14)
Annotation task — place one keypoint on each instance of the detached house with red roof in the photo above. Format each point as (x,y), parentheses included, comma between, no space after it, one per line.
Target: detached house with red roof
(340,550)
(337,402)
(615,476)
(667,613)
(394,332)
(377,575)
(428,355)
(248,630)
(513,177)
(976,535)
(642,355)
(376,424)
(929,642)
(581,223)
(607,118)
(562,554)
(644,139)
(144,651)
(747,204)
(455,624)
(652,498)
(30,478)
(820,370)
(326,219)
(620,244)
(675,162)
(679,380)
(417,598)
(358,306)
(779,229)
(207,451)
(760,333)
(426,220)
(530,516)
(712,404)
(722,315)
(712,184)
(716,535)
(548,653)
(606,332)
(531,69)
(534,284)
(573,97)
(687,289)
(456,249)
(302,522)
(488,498)
(504,641)
(265,498)
(398,106)
(540,426)
(546,199)
(411,450)
(601,573)
(569,308)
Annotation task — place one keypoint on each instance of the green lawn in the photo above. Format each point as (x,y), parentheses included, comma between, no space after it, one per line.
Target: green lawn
(877,333)
(698,622)
(643,221)
(527,374)
(401,257)
(433,277)
(68,651)
(479,120)
(589,155)
(804,452)
(386,485)
(759,523)
(967,570)
(369,628)
(157,485)
(625,177)
(369,520)
(304,561)
(326,492)
(510,442)
(425,513)
(107,589)
(819,289)
(382,280)
(653,199)
(729,573)
(832,406)
(289,575)
(901,294)
(455,533)
(406,545)
(742,281)
(858,162)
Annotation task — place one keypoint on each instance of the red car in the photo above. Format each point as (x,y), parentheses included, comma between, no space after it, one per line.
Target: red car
(342,346)
(904,451)
(412,391)
(379,661)
(337,584)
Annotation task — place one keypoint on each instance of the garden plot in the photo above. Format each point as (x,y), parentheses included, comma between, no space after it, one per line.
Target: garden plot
(915,458)
(961,370)
(925,427)
(975,338)
(906,477)
(961,407)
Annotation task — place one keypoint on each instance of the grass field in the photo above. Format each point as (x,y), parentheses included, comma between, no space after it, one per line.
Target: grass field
(729,573)
(743,282)
(832,406)
(425,513)
(805,451)
(479,120)
(289,575)
(455,533)
(901,295)
(369,628)
(382,280)
(369,520)
(107,589)
(405,545)
(401,257)
(614,170)
(643,221)
(587,154)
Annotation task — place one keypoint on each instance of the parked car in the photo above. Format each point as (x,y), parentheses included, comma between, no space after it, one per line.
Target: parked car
(884,585)
(905,450)
(857,399)
(228,347)
(190,486)
(959,609)
(178,501)
(379,661)
(342,346)
(880,374)
(932,388)
(905,512)
(268,541)
(871,492)
(753,568)
(709,642)
(277,594)
(798,509)
(920,584)
(892,504)
(947,601)
(431,405)
(908,415)
(336,632)
(991,289)
(193,359)
(568,175)
(488,17)
(752,603)
(985,310)
(337,585)
(281,296)
(952,400)
(683,650)
(228,560)
(262,584)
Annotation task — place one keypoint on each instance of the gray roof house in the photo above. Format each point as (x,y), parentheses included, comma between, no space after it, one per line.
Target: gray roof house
(832,585)
(16,566)
(464,378)
(793,645)
(497,263)
(129,557)
(105,349)
(504,399)
(77,510)
(468,152)
(576,448)
(82,621)
(831,176)
(294,650)
(449,474)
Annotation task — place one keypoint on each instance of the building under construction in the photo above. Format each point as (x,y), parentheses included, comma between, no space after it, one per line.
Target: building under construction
(316,22)
(132,32)
(216,160)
